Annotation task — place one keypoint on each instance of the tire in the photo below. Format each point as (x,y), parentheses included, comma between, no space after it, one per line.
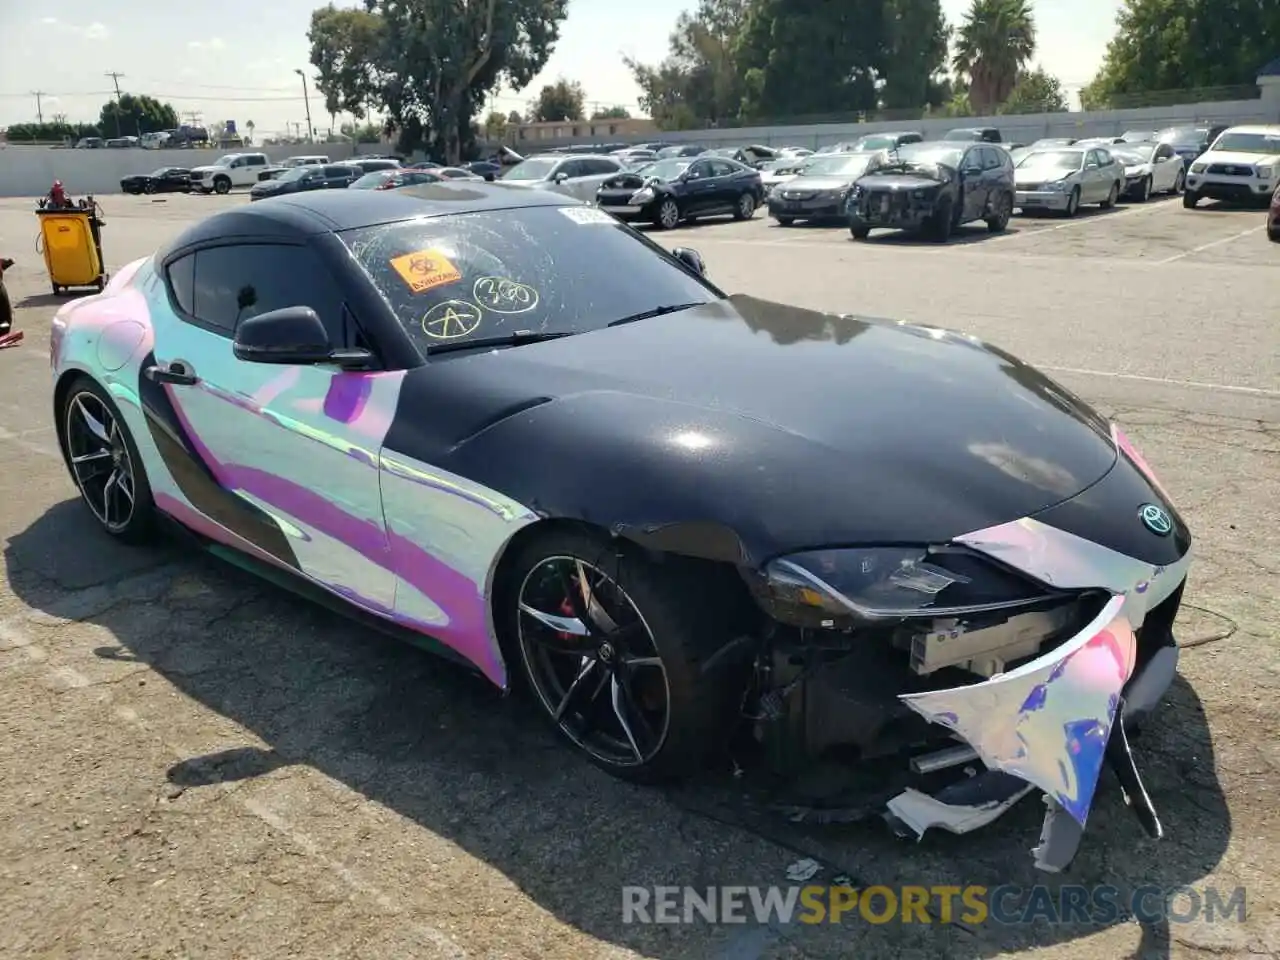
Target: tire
(1273,234)
(943,222)
(84,399)
(1004,210)
(745,208)
(1179,182)
(1189,200)
(671,629)
(1145,194)
(667,215)
(1073,202)
(1112,197)
(785,221)
(860,233)
(57,290)
(221,186)
(149,188)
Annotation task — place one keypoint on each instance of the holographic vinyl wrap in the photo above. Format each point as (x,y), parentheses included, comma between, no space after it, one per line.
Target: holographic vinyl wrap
(287,463)
(1048,721)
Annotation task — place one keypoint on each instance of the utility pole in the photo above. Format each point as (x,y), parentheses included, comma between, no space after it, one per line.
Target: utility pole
(307,100)
(116,78)
(39,111)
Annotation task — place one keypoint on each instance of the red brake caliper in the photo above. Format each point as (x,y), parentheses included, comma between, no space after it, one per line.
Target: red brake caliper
(566,607)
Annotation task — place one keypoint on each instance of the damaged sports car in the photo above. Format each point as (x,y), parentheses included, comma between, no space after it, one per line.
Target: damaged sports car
(508,427)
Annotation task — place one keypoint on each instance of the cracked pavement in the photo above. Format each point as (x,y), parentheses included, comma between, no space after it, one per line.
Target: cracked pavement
(199,765)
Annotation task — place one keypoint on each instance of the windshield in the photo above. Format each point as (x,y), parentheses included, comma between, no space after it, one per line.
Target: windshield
(224,161)
(961,135)
(539,168)
(371,180)
(1055,159)
(1183,135)
(562,269)
(835,166)
(162,172)
(930,153)
(1268,143)
(664,169)
(296,174)
(876,143)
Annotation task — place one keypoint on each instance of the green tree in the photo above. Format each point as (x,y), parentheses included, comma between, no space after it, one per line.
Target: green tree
(994,44)
(54,132)
(135,115)
(562,100)
(810,57)
(514,119)
(495,125)
(914,58)
(612,113)
(1035,92)
(1185,44)
(699,81)
(430,64)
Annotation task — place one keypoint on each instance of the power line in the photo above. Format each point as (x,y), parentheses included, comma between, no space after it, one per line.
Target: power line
(39,110)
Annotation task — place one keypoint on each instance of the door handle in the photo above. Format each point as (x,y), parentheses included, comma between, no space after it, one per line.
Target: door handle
(178,373)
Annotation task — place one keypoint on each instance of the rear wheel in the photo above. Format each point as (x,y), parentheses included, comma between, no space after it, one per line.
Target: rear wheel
(1273,233)
(105,464)
(1178,183)
(1112,196)
(149,188)
(1003,210)
(613,647)
(745,208)
(860,233)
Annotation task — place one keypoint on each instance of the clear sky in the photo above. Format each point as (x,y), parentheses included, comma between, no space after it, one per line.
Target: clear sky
(236,60)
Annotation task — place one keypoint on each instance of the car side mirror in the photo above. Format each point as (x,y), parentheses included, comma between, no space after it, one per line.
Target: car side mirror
(690,258)
(291,335)
(560,177)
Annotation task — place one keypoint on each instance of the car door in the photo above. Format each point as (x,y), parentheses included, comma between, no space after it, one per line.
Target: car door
(1112,173)
(284,458)
(337,177)
(726,184)
(564,178)
(699,188)
(1098,176)
(973,185)
(1164,169)
(595,171)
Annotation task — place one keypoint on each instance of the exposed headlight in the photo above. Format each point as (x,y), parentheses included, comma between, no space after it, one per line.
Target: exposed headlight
(1197,168)
(641,196)
(881,584)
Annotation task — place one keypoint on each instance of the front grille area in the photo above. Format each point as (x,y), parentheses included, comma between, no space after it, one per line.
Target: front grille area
(1230,170)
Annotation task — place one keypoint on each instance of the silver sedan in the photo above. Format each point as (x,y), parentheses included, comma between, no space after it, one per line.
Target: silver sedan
(1061,179)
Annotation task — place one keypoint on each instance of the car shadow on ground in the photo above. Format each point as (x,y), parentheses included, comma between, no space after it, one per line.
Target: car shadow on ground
(51,299)
(443,749)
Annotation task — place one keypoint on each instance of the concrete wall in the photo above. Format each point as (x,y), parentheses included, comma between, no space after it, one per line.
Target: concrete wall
(28,171)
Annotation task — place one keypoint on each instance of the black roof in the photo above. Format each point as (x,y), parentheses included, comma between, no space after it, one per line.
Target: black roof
(298,215)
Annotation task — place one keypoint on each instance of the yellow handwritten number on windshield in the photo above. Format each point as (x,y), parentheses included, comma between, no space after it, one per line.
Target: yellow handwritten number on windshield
(503,295)
(451,320)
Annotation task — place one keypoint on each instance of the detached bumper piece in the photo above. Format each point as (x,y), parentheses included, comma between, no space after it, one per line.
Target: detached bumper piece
(1051,724)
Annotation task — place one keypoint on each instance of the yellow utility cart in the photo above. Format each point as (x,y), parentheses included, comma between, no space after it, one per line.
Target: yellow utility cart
(71,241)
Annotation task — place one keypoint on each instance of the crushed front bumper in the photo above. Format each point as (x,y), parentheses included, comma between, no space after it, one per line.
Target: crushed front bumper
(1053,722)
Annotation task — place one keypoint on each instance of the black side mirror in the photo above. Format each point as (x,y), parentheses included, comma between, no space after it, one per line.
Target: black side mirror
(690,258)
(292,335)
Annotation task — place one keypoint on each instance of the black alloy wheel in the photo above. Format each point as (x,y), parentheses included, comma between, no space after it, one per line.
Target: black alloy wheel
(999,220)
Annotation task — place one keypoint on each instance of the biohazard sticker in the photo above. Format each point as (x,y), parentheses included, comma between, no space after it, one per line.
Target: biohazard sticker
(587,215)
(425,270)
(451,320)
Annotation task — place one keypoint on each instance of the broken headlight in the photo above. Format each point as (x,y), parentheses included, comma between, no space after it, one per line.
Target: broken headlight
(891,583)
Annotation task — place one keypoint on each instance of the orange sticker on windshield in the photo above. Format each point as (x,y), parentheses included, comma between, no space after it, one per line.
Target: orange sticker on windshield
(425,270)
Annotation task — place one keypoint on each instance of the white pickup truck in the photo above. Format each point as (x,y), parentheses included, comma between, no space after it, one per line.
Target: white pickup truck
(233,170)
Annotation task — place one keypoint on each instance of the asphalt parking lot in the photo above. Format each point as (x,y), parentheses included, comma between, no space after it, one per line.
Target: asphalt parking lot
(197,765)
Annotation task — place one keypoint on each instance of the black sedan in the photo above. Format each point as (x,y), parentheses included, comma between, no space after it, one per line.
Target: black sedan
(552,450)
(164,180)
(934,187)
(667,192)
(821,189)
(303,179)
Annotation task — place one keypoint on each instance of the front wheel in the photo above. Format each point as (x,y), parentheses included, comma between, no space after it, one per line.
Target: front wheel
(943,222)
(785,221)
(860,233)
(222,186)
(1190,199)
(1073,202)
(613,647)
(667,216)
(1178,183)
(105,464)
(999,219)
(745,208)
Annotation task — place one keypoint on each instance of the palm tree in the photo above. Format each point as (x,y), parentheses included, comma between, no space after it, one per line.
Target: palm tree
(995,42)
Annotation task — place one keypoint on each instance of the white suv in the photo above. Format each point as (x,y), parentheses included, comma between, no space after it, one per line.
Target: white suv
(578,176)
(233,170)
(1241,165)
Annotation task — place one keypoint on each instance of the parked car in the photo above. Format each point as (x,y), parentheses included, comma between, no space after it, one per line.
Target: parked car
(163,180)
(309,160)
(670,191)
(822,187)
(1273,217)
(1063,179)
(934,187)
(1097,142)
(393,179)
(672,515)
(887,141)
(232,170)
(301,179)
(1242,166)
(485,170)
(574,176)
(777,172)
(979,134)
(1149,168)
(750,156)
(370,164)
(456,173)
(1190,142)
(1139,136)
(682,150)
(1049,143)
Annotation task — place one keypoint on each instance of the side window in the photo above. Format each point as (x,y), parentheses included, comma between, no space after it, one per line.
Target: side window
(721,169)
(572,168)
(238,162)
(597,166)
(256,162)
(334,173)
(239,281)
(990,159)
(1104,158)
(701,168)
(182,282)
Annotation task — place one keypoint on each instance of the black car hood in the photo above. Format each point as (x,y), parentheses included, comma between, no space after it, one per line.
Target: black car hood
(782,428)
(897,181)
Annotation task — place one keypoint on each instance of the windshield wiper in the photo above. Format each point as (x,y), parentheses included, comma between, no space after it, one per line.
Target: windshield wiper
(657,312)
(519,338)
